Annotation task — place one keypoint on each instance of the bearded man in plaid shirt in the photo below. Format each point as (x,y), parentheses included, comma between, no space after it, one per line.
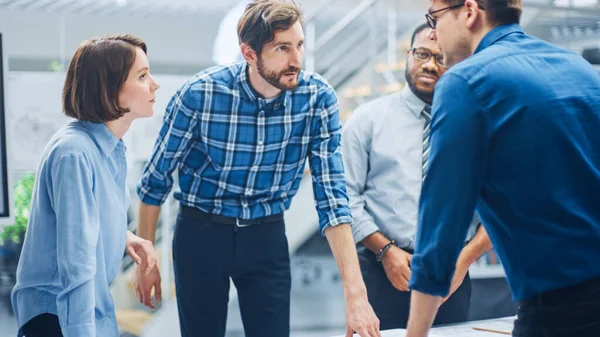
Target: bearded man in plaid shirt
(239,136)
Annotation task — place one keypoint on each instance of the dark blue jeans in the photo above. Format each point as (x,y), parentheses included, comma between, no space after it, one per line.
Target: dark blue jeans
(206,254)
(568,312)
(393,306)
(44,325)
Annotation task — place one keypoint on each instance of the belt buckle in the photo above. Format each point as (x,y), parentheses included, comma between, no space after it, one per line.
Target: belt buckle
(238,225)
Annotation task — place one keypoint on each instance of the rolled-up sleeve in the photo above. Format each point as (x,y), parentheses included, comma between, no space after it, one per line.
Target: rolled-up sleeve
(77,227)
(326,164)
(459,147)
(178,132)
(356,143)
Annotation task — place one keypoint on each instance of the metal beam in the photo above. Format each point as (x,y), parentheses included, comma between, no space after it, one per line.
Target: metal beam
(575,10)
(344,22)
(312,15)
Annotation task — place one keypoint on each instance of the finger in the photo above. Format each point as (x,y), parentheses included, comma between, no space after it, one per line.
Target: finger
(142,296)
(374,332)
(136,258)
(404,285)
(375,328)
(157,290)
(349,331)
(147,293)
(138,293)
(401,285)
(143,301)
(364,332)
(405,272)
(399,282)
(403,281)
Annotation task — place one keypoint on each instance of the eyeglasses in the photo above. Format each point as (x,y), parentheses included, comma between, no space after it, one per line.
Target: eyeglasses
(424,55)
(431,21)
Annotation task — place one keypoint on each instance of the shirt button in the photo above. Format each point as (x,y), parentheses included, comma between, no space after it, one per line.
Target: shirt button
(248,192)
(260,142)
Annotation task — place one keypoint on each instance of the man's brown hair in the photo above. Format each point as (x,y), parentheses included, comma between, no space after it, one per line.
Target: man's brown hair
(263,18)
(499,12)
(96,76)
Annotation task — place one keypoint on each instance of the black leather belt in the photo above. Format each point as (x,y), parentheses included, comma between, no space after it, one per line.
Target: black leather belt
(193,212)
(572,294)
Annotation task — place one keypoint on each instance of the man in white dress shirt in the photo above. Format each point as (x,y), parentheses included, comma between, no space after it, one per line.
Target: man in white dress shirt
(385,145)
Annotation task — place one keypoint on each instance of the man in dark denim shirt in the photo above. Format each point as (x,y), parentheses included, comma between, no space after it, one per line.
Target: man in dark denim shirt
(514,134)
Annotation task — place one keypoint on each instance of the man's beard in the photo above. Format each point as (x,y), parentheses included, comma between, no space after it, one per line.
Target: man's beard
(425,96)
(274,78)
(460,52)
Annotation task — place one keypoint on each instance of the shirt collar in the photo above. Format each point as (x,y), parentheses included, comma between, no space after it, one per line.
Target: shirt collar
(496,34)
(106,141)
(413,103)
(243,81)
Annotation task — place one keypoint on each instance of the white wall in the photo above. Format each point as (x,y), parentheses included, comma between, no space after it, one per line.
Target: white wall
(34,114)
(37,35)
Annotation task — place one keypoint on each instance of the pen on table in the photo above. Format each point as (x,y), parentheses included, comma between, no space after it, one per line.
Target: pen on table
(494,331)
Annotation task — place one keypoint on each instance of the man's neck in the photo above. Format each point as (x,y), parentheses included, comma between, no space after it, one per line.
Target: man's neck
(478,37)
(421,97)
(262,87)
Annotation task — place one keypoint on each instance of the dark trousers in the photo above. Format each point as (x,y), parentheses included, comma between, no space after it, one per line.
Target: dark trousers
(392,306)
(568,312)
(207,253)
(44,325)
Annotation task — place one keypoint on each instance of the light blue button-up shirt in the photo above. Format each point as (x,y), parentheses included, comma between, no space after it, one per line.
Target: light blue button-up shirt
(383,148)
(76,235)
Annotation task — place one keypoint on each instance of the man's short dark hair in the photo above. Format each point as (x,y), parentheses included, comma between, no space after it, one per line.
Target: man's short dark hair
(263,18)
(499,12)
(419,29)
(96,76)
(592,55)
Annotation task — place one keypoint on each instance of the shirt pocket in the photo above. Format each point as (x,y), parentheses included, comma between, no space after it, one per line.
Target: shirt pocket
(229,145)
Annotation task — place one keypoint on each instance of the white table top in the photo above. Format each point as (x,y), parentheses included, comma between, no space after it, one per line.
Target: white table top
(464,329)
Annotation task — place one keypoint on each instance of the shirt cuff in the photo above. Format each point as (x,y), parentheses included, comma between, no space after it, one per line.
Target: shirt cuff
(79,330)
(360,230)
(339,220)
(149,199)
(423,283)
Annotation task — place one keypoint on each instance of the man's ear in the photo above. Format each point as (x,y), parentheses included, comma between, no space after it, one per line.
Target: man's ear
(473,13)
(248,53)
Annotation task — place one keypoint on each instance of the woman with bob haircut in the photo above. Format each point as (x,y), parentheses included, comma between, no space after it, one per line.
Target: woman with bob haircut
(77,231)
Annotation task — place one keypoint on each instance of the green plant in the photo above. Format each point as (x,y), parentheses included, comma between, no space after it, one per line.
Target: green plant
(22,198)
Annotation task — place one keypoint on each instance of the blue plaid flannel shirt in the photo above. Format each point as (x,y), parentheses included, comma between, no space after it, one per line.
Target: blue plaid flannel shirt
(242,156)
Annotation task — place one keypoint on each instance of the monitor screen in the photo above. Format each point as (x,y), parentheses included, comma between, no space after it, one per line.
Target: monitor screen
(5,209)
